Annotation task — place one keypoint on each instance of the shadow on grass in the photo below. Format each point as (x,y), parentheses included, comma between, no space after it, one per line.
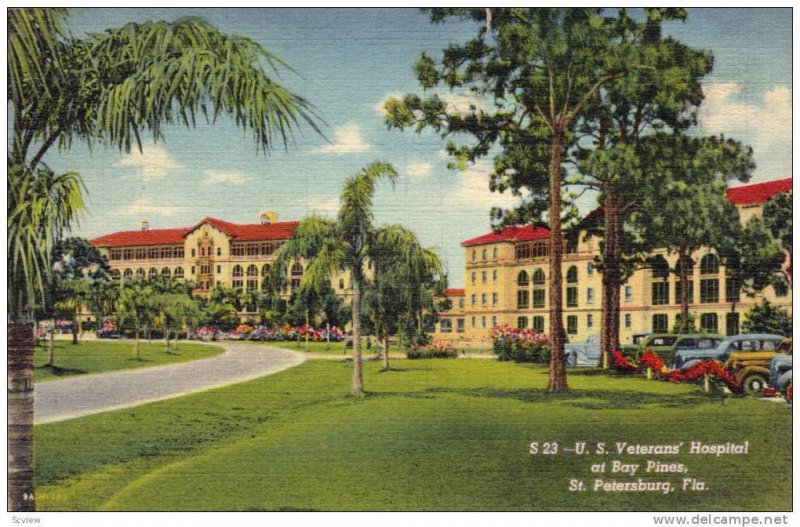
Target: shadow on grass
(59,372)
(140,360)
(586,399)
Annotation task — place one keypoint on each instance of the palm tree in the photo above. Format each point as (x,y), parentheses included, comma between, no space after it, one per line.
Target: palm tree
(136,306)
(110,87)
(403,274)
(343,245)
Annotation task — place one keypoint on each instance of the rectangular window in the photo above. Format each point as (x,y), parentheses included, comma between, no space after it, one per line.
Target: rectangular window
(446,325)
(731,291)
(732,323)
(116,254)
(483,322)
(538,298)
(541,249)
(141,253)
(494,299)
(472,298)
(522,299)
(494,321)
(709,291)
(522,322)
(589,268)
(628,293)
(483,299)
(689,288)
(660,293)
(708,322)
(572,245)
(483,277)
(538,324)
(572,324)
(252,284)
(523,251)
(153,253)
(572,297)
(252,249)
(177,252)
(589,320)
(627,320)
(237,283)
(473,277)
(238,249)
(494,275)
(660,323)
(473,322)
(590,295)
(460,325)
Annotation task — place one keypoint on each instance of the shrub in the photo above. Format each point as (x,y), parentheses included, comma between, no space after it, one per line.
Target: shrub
(435,350)
(520,345)
(767,318)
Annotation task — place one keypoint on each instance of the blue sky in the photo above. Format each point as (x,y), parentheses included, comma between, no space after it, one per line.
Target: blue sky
(347,62)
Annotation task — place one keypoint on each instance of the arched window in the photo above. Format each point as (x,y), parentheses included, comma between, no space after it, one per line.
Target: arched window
(127,273)
(237,270)
(659,268)
(483,255)
(115,274)
(140,272)
(178,272)
(709,264)
(297,269)
(252,271)
(572,275)
(522,278)
(152,273)
(538,276)
(165,272)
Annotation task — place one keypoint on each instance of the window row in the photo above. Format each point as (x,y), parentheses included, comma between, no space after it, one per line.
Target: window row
(708,322)
(537,323)
(446,325)
(171,252)
(254,248)
(709,264)
(483,321)
(483,255)
(709,292)
(153,272)
(526,250)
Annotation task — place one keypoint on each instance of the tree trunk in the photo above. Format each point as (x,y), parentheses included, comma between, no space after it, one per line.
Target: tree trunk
(683,277)
(75,327)
(609,336)
(20,417)
(358,383)
(175,340)
(136,343)
(51,354)
(385,348)
(166,339)
(557,381)
(307,328)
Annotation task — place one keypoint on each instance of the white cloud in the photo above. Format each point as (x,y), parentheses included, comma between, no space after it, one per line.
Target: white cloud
(154,163)
(418,169)
(472,190)
(230,178)
(144,208)
(328,208)
(348,141)
(765,123)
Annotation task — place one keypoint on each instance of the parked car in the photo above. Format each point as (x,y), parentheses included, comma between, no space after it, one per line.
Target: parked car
(780,368)
(638,338)
(752,369)
(749,342)
(666,345)
(583,353)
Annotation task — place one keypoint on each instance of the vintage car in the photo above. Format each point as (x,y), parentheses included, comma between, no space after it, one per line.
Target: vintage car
(752,369)
(747,343)
(583,353)
(780,368)
(667,345)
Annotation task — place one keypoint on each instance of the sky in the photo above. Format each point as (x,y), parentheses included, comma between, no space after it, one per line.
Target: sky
(346,62)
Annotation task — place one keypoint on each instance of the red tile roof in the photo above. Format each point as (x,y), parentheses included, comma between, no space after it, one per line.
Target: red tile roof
(511,234)
(758,193)
(454,292)
(237,231)
(150,237)
(251,231)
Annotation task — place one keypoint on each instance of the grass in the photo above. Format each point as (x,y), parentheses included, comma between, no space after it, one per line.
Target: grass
(103,355)
(430,435)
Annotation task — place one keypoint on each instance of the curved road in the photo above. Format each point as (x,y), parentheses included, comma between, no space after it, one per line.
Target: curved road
(102,392)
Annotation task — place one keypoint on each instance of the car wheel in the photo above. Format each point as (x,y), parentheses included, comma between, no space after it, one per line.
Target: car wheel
(754,384)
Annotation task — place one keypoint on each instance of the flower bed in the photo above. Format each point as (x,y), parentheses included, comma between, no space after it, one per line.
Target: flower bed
(519,345)
(270,333)
(435,350)
(710,368)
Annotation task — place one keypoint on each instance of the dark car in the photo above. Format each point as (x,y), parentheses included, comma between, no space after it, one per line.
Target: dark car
(666,345)
(734,343)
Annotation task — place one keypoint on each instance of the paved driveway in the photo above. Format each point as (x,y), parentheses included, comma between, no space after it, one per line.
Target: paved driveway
(101,392)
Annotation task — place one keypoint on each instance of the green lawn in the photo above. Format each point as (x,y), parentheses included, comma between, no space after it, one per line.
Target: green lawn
(431,435)
(109,355)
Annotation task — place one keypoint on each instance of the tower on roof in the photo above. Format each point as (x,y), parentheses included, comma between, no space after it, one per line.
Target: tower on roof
(145,225)
(267,217)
